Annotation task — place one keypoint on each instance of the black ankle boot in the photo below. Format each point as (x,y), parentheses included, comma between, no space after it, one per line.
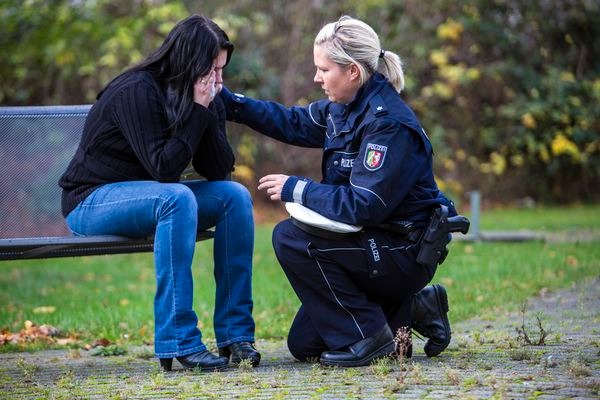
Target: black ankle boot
(430,318)
(362,352)
(241,351)
(205,361)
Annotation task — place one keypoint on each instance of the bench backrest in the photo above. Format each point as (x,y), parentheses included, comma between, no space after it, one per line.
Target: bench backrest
(36,145)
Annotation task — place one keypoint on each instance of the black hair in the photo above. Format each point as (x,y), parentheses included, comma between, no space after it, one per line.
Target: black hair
(186,54)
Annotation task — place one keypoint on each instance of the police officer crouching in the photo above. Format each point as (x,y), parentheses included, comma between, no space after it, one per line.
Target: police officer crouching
(379,225)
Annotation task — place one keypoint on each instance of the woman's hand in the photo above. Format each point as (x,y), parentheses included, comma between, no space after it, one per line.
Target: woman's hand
(274,184)
(205,89)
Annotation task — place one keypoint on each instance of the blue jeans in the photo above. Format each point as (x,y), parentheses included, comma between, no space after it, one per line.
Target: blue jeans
(173,213)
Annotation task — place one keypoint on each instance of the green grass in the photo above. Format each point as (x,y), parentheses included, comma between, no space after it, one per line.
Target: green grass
(111,296)
(482,278)
(542,218)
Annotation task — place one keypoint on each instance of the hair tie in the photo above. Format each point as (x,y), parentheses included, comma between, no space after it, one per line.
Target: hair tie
(381,53)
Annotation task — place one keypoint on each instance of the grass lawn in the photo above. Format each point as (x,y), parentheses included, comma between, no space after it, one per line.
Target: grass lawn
(542,218)
(111,296)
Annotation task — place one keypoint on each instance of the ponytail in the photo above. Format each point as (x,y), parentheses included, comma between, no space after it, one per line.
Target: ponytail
(390,66)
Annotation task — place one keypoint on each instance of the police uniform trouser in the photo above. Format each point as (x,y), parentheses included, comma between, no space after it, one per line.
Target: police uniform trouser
(349,288)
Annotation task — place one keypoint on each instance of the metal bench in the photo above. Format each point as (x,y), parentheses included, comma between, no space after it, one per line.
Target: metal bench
(36,145)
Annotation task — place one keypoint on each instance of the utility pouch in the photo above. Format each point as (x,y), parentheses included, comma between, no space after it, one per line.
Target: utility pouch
(433,249)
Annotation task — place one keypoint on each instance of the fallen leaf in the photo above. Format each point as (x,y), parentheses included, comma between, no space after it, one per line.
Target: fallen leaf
(572,261)
(65,341)
(30,333)
(447,281)
(104,342)
(44,310)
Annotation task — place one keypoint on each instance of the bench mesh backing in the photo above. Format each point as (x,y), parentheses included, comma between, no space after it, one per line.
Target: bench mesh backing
(36,145)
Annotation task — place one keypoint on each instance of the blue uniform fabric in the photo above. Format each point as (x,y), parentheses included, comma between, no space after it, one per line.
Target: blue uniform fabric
(376,168)
(402,187)
(346,293)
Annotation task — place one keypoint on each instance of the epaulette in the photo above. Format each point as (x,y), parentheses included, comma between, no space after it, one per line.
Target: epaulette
(378,106)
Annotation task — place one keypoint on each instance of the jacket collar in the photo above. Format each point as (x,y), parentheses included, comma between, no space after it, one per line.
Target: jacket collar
(344,115)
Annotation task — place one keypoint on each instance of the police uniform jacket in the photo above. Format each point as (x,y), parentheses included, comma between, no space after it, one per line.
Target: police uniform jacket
(377,159)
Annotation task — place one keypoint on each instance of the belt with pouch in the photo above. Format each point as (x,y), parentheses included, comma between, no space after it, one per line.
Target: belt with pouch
(405,230)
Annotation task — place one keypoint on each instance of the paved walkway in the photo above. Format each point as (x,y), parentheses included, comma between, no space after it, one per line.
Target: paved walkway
(484,360)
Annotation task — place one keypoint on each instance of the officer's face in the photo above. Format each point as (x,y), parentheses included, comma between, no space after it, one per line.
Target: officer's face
(340,83)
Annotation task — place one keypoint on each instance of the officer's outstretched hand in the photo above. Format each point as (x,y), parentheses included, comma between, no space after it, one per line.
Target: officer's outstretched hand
(274,184)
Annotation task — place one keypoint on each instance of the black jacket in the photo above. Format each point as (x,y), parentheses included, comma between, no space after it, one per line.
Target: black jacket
(125,138)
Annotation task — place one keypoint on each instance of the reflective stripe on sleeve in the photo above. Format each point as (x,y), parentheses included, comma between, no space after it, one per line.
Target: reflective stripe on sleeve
(298,190)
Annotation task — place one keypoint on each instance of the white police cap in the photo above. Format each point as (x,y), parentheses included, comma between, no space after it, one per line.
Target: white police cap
(312,218)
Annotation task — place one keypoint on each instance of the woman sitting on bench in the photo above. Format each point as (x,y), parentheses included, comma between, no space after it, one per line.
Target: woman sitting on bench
(145,128)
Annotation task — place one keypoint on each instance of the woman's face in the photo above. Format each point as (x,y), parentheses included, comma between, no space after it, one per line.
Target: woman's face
(340,83)
(219,64)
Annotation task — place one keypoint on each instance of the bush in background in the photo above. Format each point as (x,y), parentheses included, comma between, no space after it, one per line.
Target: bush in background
(508,90)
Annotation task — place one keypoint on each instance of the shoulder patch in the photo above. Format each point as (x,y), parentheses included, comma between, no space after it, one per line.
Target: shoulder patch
(374,156)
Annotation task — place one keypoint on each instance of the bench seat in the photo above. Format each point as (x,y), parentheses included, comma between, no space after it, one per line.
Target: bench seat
(73,246)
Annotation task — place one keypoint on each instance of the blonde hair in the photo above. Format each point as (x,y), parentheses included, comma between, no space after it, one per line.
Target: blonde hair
(351,41)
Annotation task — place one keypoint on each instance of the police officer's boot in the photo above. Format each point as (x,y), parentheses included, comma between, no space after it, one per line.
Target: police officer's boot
(430,318)
(362,352)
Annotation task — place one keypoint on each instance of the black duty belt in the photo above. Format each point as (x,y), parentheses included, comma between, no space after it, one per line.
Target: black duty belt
(414,235)
(410,234)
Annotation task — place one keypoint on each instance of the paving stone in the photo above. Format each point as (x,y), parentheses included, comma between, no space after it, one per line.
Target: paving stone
(485,359)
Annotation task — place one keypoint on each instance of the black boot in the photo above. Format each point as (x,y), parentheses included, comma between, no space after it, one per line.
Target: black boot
(430,318)
(362,352)
(241,351)
(205,361)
